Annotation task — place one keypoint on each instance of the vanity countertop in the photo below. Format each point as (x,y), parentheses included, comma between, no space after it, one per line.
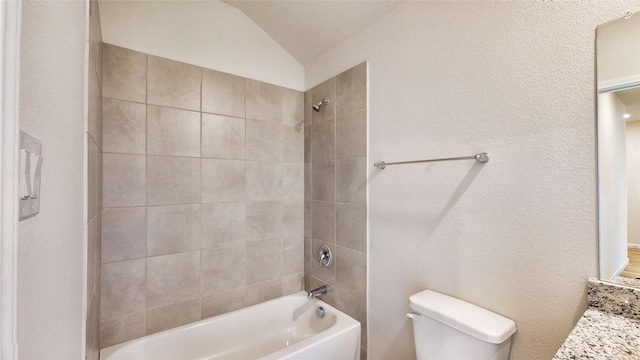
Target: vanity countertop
(609,329)
(601,335)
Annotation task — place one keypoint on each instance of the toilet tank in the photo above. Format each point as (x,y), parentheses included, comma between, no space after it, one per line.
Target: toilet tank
(448,328)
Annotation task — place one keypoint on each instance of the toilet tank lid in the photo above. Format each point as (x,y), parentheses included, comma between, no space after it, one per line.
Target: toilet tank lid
(463,316)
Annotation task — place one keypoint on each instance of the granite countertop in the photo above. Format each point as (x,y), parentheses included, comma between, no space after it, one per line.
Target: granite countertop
(600,335)
(609,329)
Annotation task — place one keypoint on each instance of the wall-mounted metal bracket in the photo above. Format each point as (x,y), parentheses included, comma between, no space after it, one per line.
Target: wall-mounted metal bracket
(30,170)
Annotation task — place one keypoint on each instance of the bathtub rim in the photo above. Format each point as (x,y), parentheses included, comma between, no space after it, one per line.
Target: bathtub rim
(344,323)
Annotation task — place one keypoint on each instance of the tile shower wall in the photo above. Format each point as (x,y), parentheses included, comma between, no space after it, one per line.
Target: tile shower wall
(94,181)
(203,193)
(335,191)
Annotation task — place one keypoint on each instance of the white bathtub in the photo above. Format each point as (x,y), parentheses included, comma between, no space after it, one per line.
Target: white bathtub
(283,328)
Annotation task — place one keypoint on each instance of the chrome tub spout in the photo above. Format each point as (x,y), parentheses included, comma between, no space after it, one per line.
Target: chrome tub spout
(318,291)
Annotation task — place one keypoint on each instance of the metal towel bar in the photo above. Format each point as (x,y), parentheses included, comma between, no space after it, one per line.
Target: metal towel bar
(481,158)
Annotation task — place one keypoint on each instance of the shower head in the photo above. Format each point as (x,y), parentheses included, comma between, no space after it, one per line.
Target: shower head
(317,106)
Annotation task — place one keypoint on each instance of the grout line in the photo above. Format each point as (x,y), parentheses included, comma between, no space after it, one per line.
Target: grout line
(246,263)
(146,189)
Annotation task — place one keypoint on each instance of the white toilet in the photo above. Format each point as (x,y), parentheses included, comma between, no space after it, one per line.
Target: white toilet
(446,328)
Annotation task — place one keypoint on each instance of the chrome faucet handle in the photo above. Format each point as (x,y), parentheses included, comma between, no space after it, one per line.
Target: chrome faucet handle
(324,256)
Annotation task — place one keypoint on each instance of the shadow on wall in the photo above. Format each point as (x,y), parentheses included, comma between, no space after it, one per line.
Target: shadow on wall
(431,222)
(435,222)
(406,332)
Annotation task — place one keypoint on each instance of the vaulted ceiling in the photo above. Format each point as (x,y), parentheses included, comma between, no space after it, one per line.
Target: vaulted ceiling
(308,29)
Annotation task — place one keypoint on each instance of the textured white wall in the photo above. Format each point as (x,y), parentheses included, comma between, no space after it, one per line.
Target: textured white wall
(633,182)
(517,235)
(210,34)
(612,179)
(50,260)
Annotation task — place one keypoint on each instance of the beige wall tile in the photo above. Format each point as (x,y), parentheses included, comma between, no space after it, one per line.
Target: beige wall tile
(223,302)
(92,345)
(307,144)
(264,220)
(223,180)
(94,109)
(222,93)
(351,135)
(326,274)
(94,179)
(178,275)
(293,144)
(174,315)
(124,127)
(264,141)
(99,50)
(173,132)
(94,265)
(124,234)
(293,219)
(222,268)
(308,248)
(292,284)
(307,108)
(223,224)
(123,288)
(173,229)
(354,307)
(337,214)
(363,351)
(323,141)
(351,226)
(122,328)
(307,282)
(173,180)
(307,181)
(351,180)
(307,278)
(293,255)
(264,291)
(307,218)
(173,84)
(172,278)
(264,180)
(323,181)
(123,182)
(293,181)
(292,108)
(326,90)
(351,90)
(95,43)
(323,221)
(124,74)
(264,101)
(351,271)
(223,137)
(94,191)
(264,261)
(95,232)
